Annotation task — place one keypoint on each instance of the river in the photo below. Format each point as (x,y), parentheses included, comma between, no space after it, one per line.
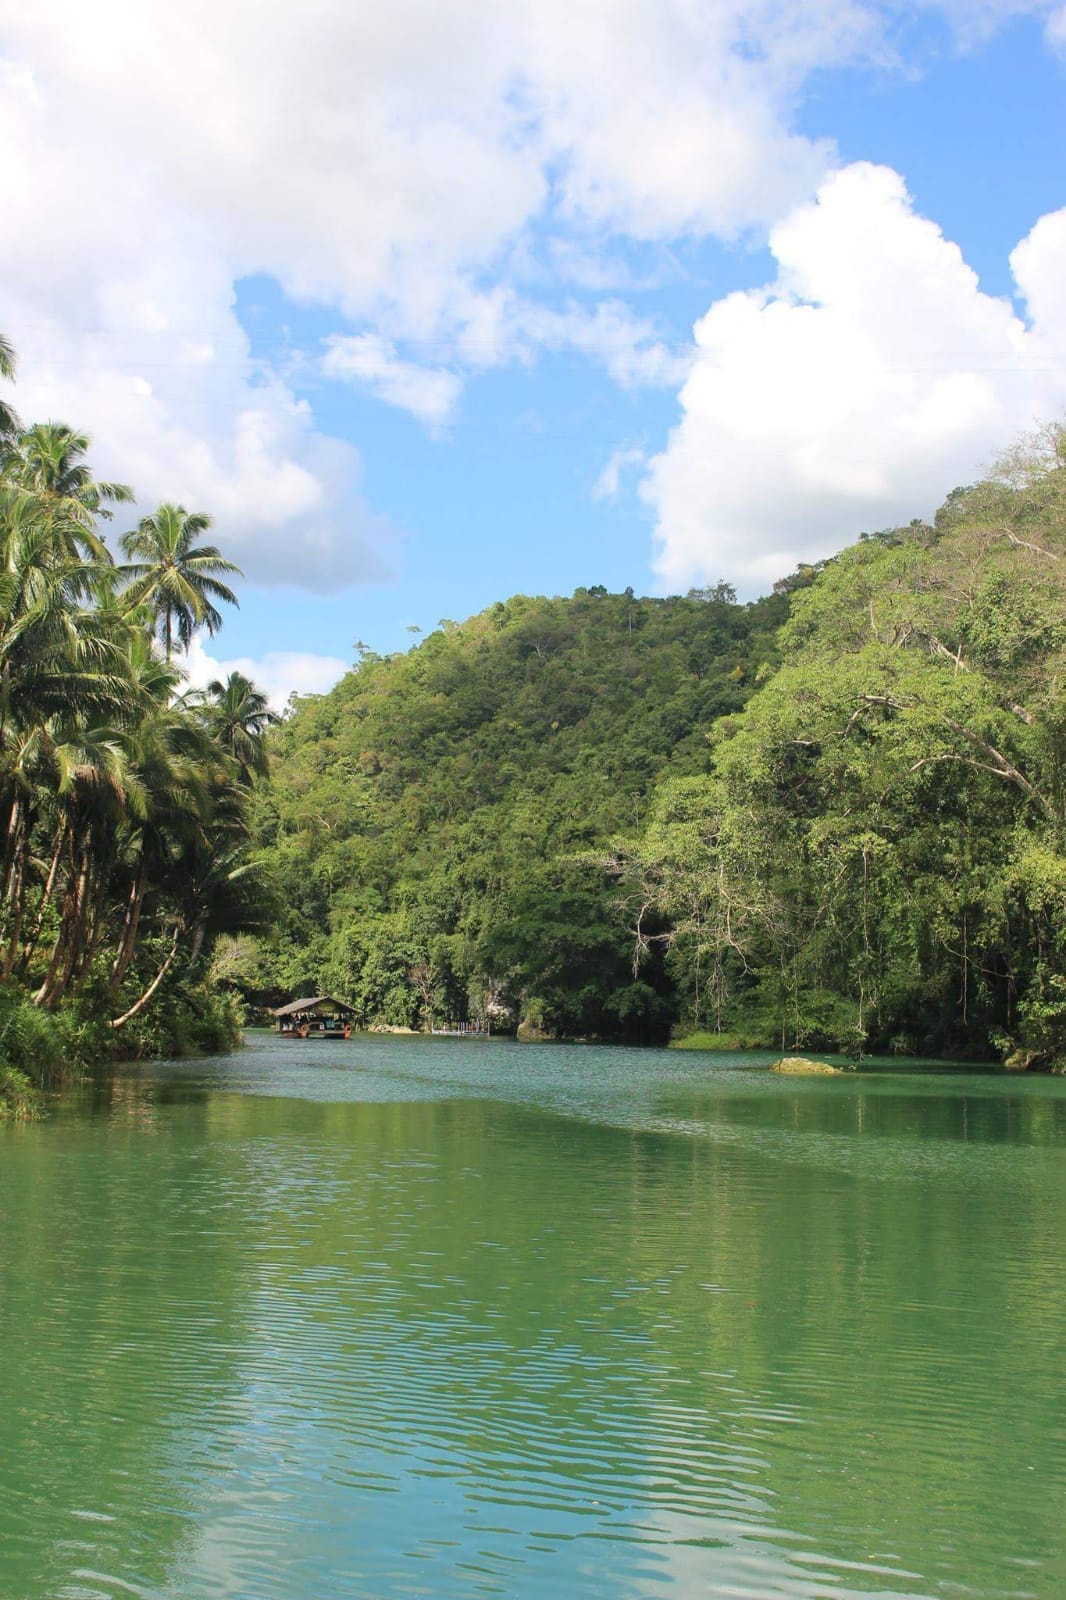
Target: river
(448,1318)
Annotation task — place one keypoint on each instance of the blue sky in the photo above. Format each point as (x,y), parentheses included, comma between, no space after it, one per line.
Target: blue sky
(430,303)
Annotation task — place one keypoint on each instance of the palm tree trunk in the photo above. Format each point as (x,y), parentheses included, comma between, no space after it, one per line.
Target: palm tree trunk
(20,909)
(128,938)
(140,1004)
(68,943)
(59,946)
(11,843)
(197,946)
(79,920)
(94,926)
(30,947)
(44,992)
(14,860)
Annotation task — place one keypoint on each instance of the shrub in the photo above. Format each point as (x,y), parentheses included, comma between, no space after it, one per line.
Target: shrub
(46,1047)
(19,1100)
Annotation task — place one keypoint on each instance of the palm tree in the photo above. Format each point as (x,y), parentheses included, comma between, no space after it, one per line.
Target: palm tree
(93,795)
(239,715)
(48,461)
(61,673)
(56,657)
(9,422)
(176,575)
(123,803)
(180,771)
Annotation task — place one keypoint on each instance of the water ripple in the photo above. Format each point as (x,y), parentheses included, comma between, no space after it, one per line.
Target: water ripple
(402,1324)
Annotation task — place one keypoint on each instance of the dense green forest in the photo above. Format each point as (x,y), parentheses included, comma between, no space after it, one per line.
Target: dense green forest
(436,826)
(833,817)
(878,857)
(123,795)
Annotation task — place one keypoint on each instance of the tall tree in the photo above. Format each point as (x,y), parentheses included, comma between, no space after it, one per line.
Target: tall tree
(48,460)
(9,422)
(880,855)
(239,716)
(177,576)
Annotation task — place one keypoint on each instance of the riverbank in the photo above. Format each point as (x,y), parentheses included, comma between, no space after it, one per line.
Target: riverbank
(42,1051)
(737,1043)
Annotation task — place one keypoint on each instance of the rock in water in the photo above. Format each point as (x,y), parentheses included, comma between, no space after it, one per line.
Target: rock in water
(797,1064)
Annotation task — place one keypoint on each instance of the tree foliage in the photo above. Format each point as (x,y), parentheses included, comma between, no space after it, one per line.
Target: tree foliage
(877,857)
(175,578)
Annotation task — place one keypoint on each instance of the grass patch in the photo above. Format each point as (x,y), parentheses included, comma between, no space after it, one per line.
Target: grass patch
(19,1100)
(40,1050)
(719,1041)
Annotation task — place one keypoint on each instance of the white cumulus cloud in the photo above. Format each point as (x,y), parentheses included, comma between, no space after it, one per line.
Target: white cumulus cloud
(499,325)
(429,393)
(121,309)
(278,673)
(387,160)
(609,482)
(628,347)
(854,391)
(410,165)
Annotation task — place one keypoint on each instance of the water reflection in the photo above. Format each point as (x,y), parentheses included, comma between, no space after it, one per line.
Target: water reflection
(638,1333)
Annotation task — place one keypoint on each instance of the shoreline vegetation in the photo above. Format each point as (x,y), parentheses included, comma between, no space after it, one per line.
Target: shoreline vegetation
(831,820)
(124,794)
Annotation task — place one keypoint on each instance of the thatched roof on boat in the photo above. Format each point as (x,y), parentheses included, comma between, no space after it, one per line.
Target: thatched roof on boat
(296,1008)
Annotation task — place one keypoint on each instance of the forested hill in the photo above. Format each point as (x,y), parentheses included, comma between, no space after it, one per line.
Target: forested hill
(835,818)
(437,824)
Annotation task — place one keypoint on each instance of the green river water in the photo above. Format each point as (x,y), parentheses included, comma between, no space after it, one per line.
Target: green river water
(444,1318)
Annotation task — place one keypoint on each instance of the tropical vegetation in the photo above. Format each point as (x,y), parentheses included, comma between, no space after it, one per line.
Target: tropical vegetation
(878,858)
(123,795)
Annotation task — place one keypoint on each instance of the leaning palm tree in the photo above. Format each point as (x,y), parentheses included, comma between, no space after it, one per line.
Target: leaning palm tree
(175,575)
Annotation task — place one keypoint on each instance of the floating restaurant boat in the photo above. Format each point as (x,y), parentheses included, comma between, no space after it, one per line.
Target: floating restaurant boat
(320,1017)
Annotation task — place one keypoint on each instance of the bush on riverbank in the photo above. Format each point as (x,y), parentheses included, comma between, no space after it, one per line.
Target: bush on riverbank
(40,1050)
(46,1047)
(801,1067)
(19,1100)
(188,1021)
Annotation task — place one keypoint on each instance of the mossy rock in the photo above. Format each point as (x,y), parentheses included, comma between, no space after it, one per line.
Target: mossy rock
(531,1033)
(798,1065)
